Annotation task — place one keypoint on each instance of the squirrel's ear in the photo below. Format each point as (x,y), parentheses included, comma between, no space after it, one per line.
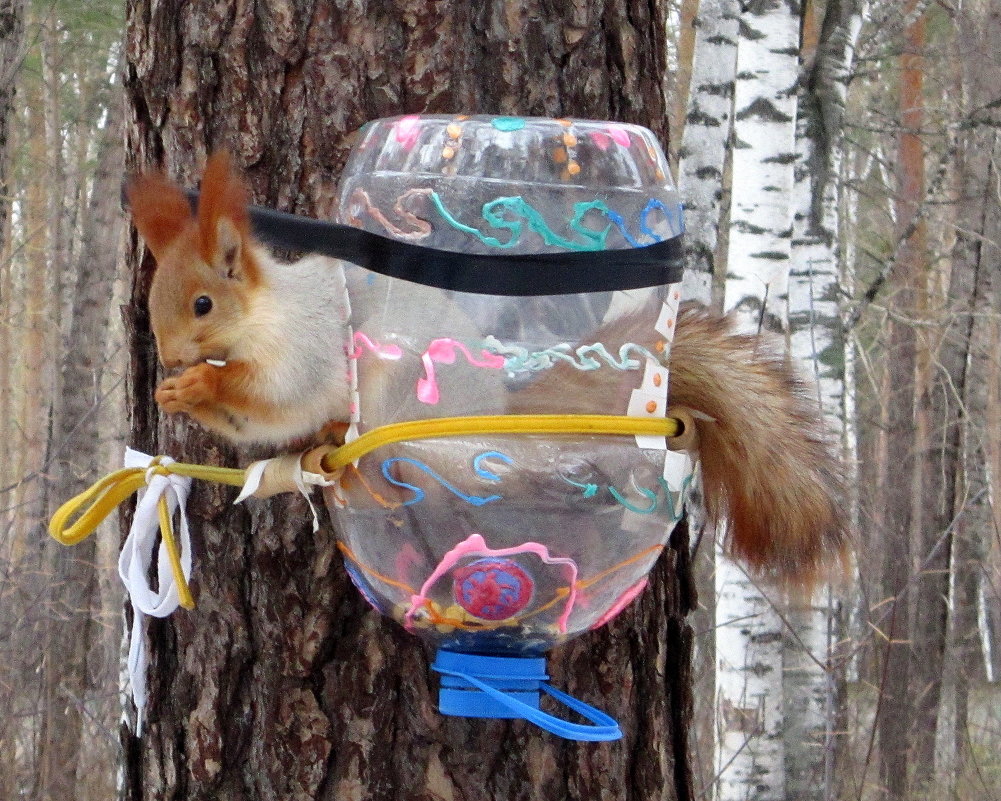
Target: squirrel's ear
(160,210)
(223,220)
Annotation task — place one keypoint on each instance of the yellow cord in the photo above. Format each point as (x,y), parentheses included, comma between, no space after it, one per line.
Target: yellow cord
(100,500)
(337,458)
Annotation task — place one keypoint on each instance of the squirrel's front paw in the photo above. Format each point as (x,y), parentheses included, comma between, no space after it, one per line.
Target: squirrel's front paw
(194,387)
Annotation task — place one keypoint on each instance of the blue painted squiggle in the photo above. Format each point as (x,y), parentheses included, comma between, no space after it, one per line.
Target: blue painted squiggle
(482,472)
(673,214)
(419,494)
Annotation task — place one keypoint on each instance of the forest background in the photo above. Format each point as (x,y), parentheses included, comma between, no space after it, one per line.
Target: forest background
(913,343)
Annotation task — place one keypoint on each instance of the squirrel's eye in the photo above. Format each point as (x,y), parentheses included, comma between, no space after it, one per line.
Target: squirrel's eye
(203,305)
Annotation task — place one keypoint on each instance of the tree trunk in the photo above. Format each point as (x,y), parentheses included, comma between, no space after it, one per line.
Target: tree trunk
(282,684)
(706,137)
(903,490)
(817,345)
(11,36)
(749,629)
(74,630)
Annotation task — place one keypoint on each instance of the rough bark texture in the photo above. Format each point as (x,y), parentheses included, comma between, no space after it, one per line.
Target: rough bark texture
(11,54)
(283,684)
(903,488)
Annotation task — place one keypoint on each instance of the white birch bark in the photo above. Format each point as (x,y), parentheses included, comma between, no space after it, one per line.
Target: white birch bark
(750,752)
(701,169)
(817,346)
(702,157)
(764,151)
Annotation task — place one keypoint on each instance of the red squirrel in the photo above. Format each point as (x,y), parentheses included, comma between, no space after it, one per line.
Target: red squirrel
(259,344)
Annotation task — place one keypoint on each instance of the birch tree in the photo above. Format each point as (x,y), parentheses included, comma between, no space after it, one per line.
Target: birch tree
(706,137)
(817,345)
(702,167)
(749,631)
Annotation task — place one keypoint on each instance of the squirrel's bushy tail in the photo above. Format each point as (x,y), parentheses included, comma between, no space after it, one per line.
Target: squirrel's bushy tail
(770,472)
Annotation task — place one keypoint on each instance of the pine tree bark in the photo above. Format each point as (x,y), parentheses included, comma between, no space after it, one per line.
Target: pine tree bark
(282,684)
(11,36)
(903,490)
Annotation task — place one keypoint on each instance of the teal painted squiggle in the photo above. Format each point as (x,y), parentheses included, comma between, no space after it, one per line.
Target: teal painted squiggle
(675,514)
(590,490)
(648,494)
(518,359)
(494,212)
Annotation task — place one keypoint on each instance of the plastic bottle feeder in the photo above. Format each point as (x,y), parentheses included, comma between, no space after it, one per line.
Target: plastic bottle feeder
(494,549)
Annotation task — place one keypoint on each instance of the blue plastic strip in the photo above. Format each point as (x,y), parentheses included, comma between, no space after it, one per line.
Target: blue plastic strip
(495,687)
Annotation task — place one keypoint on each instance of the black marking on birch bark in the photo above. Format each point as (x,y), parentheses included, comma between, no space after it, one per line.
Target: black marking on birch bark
(770,255)
(764,109)
(781,158)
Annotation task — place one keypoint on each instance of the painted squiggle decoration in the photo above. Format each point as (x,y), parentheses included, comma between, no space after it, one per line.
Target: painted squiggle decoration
(360,201)
(483,472)
(621,603)
(648,494)
(443,351)
(419,494)
(494,212)
(674,514)
(393,352)
(672,213)
(475,545)
(518,359)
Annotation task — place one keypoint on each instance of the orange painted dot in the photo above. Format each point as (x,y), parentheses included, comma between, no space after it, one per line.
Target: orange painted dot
(660,174)
(657,379)
(448,152)
(573,168)
(560,155)
(659,346)
(453,130)
(651,406)
(565,123)
(569,140)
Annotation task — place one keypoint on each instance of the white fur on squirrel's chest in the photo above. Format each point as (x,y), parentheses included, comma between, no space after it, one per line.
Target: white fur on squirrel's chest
(297,338)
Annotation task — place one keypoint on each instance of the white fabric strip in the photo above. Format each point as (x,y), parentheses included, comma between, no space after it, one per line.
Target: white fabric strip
(137,556)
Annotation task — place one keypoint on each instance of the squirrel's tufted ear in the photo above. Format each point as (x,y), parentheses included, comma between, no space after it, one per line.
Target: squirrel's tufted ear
(160,210)
(224,221)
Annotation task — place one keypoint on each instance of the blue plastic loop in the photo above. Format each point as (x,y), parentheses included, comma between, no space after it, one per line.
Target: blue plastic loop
(473,685)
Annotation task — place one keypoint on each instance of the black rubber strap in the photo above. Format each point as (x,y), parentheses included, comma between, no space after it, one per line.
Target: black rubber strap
(494,274)
(487,274)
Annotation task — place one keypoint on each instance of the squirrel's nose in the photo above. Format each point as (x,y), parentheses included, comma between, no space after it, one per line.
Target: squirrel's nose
(170,359)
